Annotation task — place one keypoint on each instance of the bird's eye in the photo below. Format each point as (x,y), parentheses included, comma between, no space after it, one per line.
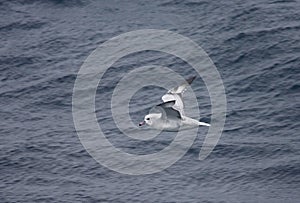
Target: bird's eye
(147,119)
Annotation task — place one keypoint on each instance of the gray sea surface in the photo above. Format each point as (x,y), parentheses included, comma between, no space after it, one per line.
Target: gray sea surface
(254,44)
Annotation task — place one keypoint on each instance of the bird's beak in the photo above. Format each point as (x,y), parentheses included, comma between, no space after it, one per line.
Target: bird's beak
(142,123)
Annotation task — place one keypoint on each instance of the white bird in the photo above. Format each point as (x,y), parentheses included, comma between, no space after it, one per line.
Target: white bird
(171,116)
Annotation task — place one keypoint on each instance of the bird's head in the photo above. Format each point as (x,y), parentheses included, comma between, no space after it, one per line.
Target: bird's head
(150,119)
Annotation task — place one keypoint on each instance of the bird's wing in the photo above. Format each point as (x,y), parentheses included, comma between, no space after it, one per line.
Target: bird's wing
(175,94)
(178,102)
(167,111)
(181,88)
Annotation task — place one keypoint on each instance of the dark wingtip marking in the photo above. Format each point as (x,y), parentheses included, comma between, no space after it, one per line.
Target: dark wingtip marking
(167,104)
(191,79)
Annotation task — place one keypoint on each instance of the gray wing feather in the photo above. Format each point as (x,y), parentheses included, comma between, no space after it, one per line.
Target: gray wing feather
(176,95)
(167,110)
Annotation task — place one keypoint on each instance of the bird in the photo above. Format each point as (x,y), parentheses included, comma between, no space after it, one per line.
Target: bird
(171,116)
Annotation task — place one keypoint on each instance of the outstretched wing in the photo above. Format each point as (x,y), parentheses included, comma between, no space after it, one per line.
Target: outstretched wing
(167,110)
(181,88)
(175,94)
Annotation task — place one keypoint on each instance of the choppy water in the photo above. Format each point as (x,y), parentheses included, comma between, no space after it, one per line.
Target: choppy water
(256,47)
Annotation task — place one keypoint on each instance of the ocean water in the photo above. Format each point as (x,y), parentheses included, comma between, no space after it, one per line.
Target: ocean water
(256,48)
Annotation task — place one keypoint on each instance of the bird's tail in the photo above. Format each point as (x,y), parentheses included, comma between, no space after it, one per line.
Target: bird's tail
(202,123)
(193,122)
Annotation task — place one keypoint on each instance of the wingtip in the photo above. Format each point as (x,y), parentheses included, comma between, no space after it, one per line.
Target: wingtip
(191,79)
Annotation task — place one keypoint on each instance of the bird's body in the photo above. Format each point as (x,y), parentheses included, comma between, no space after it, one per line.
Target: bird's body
(172,116)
